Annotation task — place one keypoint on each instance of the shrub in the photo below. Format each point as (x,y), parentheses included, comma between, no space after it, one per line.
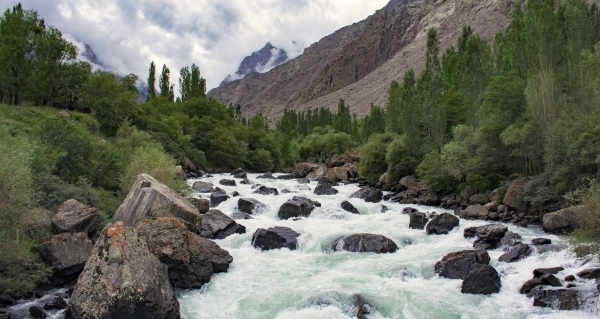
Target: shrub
(588,234)
(400,160)
(260,161)
(373,157)
(433,173)
(154,162)
(52,192)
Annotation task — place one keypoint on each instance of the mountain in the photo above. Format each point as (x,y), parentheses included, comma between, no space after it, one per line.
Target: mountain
(358,62)
(260,61)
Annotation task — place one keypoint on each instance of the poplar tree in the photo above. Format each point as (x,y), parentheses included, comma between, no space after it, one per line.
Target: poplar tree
(152,81)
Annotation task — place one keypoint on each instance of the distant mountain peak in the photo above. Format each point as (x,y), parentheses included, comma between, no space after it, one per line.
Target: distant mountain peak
(260,61)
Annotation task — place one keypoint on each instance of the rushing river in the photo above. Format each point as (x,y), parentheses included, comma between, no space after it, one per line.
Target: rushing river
(314,283)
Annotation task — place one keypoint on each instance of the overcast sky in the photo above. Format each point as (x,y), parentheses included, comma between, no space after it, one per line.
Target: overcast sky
(214,34)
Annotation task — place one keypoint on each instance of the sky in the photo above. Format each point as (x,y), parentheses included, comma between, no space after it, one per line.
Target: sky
(214,34)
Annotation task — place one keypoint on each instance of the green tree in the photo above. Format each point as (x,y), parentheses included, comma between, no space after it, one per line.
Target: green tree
(152,81)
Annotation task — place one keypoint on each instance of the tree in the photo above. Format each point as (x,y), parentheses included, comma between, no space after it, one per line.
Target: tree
(166,89)
(152,81)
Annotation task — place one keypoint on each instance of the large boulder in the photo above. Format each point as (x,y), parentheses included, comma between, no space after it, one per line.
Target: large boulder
(561,299)
(317,173)
(489,236)
(303,169)
(369,194)
(592,273)
(203,187)
(227,182)
(250,206)
(217,225)
(516,253)
(458,264)
(239,173)
(442,224)
(325,189)
(67,254)
(429,198)
(217,197)
(481,280)
(417,220)
(75,217)
(475,212)
(509,240)
(297,207)
(409,182)
(275,238)
(267,175)
(347,206)
(191,259)
(364,243)
(122,279)
(202,204)
(150,198)
(352,157)
(514,195)
(336,174)
(264,190)
(562,222)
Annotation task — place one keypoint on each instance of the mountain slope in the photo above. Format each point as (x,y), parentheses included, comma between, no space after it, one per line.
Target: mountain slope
(359,61)
(259,61)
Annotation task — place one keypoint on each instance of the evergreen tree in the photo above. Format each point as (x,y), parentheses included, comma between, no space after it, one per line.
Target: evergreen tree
(152,81)
(164,84)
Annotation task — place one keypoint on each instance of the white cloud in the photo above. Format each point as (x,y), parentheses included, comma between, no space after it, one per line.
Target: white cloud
(214,34)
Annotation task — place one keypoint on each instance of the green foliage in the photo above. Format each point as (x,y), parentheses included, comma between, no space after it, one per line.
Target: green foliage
(432,172)
(400,159)
(324,143)
(588,234)
(373,157)
(53,191)
(154,162)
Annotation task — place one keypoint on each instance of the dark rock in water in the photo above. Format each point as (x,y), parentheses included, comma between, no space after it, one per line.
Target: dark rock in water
(227,182)
(509,240)
(286,176)
(561,222)
(429,198)
(6,299)
(5,314)
(75,217)
(541,241)
(442,224)
(489,236)
(297,207)
(543,271)
(203,187)
(361,307)
(569,278)
(480,199)
(470,232)
(369,194)
(516,253)
(475,212)
(481,280)
(384,209)
(266,176)
(347,206)
(239,173)
(235,194)
(123,279)
(275,238)
(409,210)
(325,189)
(458,264)
(57,303)
(216,198)
(550,280)
(216,225)
(202,204)
(530,284)
(191,259)
(240,215)
(287,191)
(246,181)
(36,312)
(264,190)
(250,206)
(418,221)
(560,299)
(67,254)
(303,181)
(593,273)
(255,186)
(364,243)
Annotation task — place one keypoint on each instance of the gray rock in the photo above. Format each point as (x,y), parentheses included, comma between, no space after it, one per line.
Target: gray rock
(75,217)
(561,222)
(239,173)
(240,215)
(475,212)
(409,210)
(541,241)
(6,299)
(516,253)
(37,313)
(409,182)
(514,195)
(490,236)
(529,285)
(251,206)
(481,280)
(216,225)
(543,271)
(442,224)
(303,181)
(560,299)
(347,206)
(369,194)
(479,199)
(266,176)
(203,187)
(509,240)
(364,243)
(325,189)
(67,254)
(275,238)
(418,221)
(264,190)
(123,279)
(217,197)
(202,204)
(297,207)
(458,264)
(361,307)
(57,303)
(227,182)
(592,273)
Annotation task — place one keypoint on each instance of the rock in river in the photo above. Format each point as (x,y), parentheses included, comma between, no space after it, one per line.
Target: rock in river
(369,194)
(364,243)
(216,225)
(297,207)
(481,280)
(458,264)
(275,238)
(442,224)
(67,254)
(250,206)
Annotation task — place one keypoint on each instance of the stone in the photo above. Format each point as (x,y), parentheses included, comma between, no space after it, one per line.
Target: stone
(429,198)
(442,224)
(336,174)
(150,198)
(569,278)
(318,173)
(264,190)
(479,199)
(347,206)
(202,204)
(122,279)
(560,299)
(384,209)
(325,189)
(509,240)
(458,264)
(417,221)
(492,206)
(217,225)
(251,206)
(57,303)
(361,307)
(266,176)
(475,212)
(245,181)
(550,280)
(409,210)
(470,232)
(303,181)
(297,207)
(364,243)
(239,173)
(6,299)
(369,194)
(513,197)
(529,285)
(541,241)
(516,253)
(491,234)
(217,197)
(191,260)
(203,187)
(37,312)
(303,169)
(495,195)
(275,238)
(561,222)
(64,114)
(67,254)
(240,215)
(409,182)
(75,217)
(543,271)
(227,182)
(592,273)
(481,280)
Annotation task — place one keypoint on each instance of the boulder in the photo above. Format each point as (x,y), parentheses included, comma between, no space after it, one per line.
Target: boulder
(318,173)
(561,299)
(347,206)
(150,198)
(240,215)
(541,241)
(336,174)
(364,243)
(480,199)
(529,285)
(303,181)
(203,187)
(458,264)
(351,157)
(592,273)
(361,307)
(409,210)
(417,220)
(429,198)
(216,225)
(297,207)
(6,299)
(202,204)
(489,236)
(266,176)
(37,312)
(492,206)
(481,280)
(275,238)
(470,232)
(122,279)
(494,196)
(561,222)
(516,253)
(251,206)
(264,190)
(245,181)
(550,280)
(217,197)
(239,173)
(442,224)
(227,182)
(509,240)
(325,189)
(191,259)
(75,217)
(303,169)
(369,194)
(475,212)
(57,303)
(67,254)
(180,175)
(409,182)
(514,195)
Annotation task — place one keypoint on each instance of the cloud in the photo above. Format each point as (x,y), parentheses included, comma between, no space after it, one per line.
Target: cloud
(215,35)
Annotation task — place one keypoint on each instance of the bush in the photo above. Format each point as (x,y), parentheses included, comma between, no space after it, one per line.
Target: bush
(323,143)
(373,157)
(260,161)
(588,234)
(53,191)
(400,160)
(433,173)
(154,162)
(21,270)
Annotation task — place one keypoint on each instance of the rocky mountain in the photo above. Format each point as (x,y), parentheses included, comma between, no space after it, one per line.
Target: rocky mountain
(260,61)
(358,62)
